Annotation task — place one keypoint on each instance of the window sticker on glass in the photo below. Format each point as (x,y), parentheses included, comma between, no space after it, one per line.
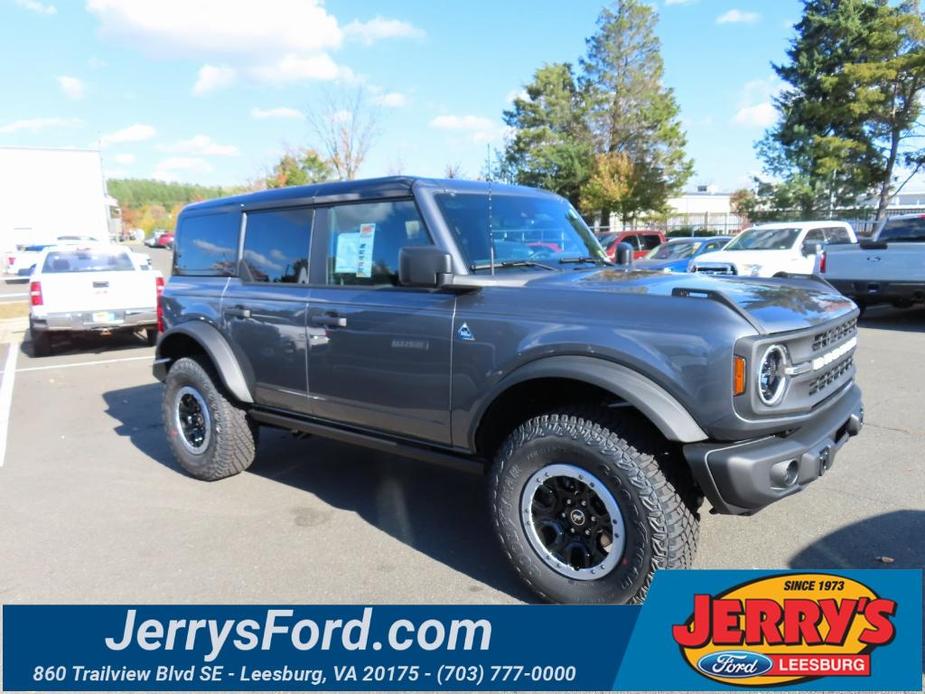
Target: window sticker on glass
(346,256)
(364,265)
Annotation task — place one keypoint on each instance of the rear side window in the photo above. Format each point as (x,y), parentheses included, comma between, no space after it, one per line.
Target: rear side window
(837,235)
(904,230)
(86,261)
(207,245)
(365,239)
(649,241)
(276,246)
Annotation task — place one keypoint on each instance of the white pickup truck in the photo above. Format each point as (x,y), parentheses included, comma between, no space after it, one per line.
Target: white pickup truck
(887,269)
(774,250)
(94,289)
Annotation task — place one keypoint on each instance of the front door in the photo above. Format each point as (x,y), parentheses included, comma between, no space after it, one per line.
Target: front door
(379,354)
(264,308)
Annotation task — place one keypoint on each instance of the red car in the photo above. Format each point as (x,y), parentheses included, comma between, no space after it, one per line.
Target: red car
(165,240)
(642,241)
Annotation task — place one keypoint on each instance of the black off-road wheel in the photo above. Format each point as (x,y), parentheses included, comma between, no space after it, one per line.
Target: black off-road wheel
(210,435)
(41,342)
(589,504)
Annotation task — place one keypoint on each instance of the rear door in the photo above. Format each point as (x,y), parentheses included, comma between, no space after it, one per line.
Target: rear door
(263,309)
(379,353)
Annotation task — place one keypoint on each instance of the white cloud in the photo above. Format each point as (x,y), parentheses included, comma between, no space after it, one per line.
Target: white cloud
(278,112)
(296,68)
(462,123)
(274,41)
(392,100)
(174,168)
(212,77)
(38,7)
(96,63)
(201,145)
(479,128)
(36,124)
(380,28)
(139,132)
(218,26)
(756,107)
(124,159)
(760,115)
(72,87)
(738,17)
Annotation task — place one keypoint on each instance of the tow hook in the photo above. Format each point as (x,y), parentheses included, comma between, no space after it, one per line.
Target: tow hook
(856,422)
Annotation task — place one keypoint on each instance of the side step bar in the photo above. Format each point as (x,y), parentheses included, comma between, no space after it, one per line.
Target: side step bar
(392,446)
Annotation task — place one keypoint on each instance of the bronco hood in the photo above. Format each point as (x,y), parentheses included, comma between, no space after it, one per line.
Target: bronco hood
(776,305)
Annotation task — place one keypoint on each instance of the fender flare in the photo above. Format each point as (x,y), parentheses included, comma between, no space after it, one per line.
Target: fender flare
(219,351)
(661,408)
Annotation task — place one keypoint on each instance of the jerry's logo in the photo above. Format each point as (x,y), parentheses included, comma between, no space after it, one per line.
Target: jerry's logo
(786,629)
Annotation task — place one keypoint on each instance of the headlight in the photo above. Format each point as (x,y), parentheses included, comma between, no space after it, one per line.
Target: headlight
(751,270)
(772,378)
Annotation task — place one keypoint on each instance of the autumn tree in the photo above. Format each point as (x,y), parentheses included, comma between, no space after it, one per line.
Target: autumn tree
(299,167)
(630,111)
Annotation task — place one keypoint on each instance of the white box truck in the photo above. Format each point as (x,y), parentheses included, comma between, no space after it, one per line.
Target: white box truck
(47,194)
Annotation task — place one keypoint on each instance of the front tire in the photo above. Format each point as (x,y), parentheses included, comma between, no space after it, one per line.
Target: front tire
(588,506)
(210,436)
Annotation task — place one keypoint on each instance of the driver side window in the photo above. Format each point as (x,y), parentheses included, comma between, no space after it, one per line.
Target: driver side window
(365,239)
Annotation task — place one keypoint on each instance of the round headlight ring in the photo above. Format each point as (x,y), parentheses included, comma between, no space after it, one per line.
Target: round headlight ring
(772,377)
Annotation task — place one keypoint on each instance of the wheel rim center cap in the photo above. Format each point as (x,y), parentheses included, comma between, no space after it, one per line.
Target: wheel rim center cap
(577,516)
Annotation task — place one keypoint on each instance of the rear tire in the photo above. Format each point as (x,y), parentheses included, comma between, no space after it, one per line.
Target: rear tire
(41,343)
(595,460)
(210,436)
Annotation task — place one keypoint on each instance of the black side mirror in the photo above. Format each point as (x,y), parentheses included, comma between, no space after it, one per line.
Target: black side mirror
(624,253)
(423,266)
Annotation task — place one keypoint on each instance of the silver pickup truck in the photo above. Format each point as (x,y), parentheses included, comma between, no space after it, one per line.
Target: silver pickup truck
(887,269)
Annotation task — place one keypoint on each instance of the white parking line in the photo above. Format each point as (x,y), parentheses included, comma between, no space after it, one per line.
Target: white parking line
(6,395)
(96,362)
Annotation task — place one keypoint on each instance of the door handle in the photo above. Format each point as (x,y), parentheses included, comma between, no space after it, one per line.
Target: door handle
(238,312)
(330,321)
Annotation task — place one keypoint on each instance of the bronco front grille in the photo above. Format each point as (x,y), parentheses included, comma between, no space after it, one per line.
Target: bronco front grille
(836,334)
(833,375)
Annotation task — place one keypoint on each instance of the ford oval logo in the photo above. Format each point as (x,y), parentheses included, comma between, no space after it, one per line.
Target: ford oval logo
(735,664)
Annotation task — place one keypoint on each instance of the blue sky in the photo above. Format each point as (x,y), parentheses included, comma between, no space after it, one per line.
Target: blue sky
(212,91)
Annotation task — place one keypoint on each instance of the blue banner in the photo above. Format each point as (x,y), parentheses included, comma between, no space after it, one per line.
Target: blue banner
(698,630)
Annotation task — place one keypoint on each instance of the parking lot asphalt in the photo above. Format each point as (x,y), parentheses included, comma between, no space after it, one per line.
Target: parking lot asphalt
(93,508)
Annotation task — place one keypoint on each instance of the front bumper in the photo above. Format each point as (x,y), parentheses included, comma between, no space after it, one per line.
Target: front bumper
(743,478)
(96,321)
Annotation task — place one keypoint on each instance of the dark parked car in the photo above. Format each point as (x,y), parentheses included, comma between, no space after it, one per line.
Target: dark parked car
(675,254)
(414,316)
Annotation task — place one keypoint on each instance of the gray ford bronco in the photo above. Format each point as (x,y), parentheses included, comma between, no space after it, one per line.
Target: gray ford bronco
(482,326)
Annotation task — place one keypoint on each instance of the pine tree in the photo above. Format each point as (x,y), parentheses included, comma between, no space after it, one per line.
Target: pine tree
(631,113)
(551,145)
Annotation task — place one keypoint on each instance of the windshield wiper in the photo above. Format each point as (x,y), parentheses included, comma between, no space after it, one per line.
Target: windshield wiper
(583,259)
(474,267)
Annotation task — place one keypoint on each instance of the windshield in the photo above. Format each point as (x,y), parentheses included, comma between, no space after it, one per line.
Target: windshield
(903,230)
(764,240)
(674,250)
(87,261)
(525,229)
